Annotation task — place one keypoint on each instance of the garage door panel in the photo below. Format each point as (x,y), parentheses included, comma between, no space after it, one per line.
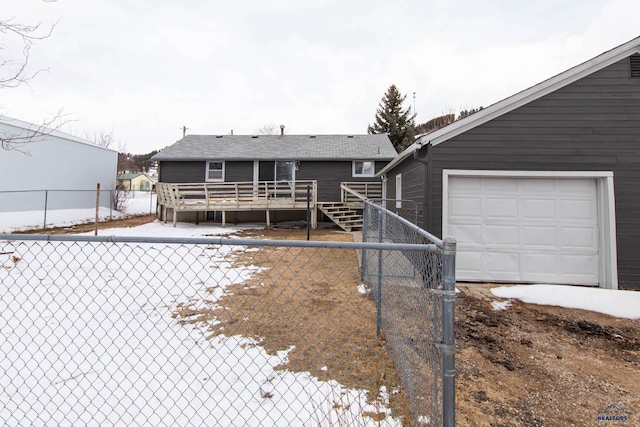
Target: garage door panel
(525,229)
(537,208)
(500,207)
(578,237)
(577,210)
(541,187)
(463,184)
(576,186)
(501,235)
(538,263)
(498,186)
(462,207)
(468,264)
(467,233)
(501,265)
(579,264)
(539,236)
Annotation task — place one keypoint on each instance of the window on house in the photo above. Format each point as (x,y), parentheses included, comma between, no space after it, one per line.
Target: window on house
(363,168)
(215,170)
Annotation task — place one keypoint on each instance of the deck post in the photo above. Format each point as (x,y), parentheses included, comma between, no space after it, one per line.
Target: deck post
(224,218)
(268,219)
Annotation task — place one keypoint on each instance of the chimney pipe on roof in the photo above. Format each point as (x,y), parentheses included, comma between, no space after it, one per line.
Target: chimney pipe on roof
(231,132)
(281,130)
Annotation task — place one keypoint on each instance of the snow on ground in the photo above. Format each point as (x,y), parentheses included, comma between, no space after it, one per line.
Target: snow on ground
(138,203)
(612,302)
(64,363)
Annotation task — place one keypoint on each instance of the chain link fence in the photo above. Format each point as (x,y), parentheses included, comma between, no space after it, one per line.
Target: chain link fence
(408,289)
(407,209)
(45,208)
(201,331)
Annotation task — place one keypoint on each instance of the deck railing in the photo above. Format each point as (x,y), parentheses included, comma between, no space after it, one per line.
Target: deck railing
(236,196)
(360,191)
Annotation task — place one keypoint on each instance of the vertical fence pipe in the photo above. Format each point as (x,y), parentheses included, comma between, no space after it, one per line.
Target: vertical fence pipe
(46,197)
(448,333)
(97,207)
(365,228)
(379,288)
(308,211)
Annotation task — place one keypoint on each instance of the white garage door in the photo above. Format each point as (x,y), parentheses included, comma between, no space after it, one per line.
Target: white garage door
(524,229)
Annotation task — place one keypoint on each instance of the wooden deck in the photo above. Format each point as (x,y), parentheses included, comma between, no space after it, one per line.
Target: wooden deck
(237,196)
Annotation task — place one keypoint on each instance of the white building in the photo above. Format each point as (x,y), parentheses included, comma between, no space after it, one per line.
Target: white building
(52,167)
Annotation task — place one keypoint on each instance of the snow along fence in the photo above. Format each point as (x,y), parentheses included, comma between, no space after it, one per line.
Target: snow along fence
(199,331)
(45,205)
(414,294)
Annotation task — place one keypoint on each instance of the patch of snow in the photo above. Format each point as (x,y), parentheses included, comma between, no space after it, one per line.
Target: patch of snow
(500,305)
(615,303)
(30,220)
(80,370)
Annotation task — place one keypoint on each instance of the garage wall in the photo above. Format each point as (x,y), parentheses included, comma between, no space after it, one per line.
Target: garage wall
(590,125)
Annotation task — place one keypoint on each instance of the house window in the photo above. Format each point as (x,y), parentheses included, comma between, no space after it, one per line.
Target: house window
(363,168)
(215,170)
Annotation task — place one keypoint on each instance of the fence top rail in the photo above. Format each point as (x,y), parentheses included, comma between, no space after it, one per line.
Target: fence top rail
(60,191)
(408,224)
(219,241)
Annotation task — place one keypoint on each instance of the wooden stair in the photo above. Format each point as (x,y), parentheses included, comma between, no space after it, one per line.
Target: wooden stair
(346,215)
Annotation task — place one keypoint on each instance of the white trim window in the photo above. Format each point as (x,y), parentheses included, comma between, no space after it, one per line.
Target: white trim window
(215,171)
(363,168)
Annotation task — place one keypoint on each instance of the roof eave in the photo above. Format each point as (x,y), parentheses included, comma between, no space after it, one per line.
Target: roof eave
(519,99)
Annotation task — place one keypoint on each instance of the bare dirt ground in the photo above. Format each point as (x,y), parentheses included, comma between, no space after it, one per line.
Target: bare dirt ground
(131,221)
(533,365)
(529,365)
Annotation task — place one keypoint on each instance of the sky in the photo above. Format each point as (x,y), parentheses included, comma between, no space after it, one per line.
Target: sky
(143,69)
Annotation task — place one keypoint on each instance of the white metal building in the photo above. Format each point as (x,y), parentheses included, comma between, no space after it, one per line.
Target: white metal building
(54,165)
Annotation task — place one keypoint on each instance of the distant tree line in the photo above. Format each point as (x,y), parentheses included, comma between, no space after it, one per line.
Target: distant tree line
(444,120)
(133,163)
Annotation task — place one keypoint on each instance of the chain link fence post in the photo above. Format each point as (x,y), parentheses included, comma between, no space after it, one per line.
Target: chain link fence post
(448,332)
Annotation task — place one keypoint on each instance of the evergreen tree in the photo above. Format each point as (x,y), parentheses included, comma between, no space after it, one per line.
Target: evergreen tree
(393,120)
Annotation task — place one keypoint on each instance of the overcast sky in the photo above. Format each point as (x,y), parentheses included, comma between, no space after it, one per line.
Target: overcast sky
(145,68)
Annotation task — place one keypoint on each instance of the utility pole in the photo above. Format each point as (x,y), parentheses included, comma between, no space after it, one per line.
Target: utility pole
(414,103)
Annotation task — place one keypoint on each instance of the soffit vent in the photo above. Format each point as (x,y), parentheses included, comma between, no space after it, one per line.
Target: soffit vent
(634,61)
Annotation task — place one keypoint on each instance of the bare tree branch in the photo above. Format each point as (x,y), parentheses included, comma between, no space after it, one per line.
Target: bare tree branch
(12,140)
(14,71)
(268,129)
(102,139)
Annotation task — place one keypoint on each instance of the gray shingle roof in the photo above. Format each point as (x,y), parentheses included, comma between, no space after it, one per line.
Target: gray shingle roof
(276,147)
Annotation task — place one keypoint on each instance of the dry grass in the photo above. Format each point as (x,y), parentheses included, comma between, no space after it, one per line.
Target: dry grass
(308,298)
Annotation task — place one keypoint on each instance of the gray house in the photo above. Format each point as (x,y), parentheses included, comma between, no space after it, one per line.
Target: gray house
(253,176)
(543,186)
